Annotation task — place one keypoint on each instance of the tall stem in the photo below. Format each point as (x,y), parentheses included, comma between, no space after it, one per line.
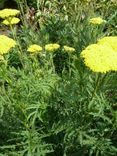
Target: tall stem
(69,68)
(21,5)
(95,87)
(19,47)
(52,62)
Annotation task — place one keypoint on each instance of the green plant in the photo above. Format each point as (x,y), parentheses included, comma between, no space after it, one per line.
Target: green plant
(50,103)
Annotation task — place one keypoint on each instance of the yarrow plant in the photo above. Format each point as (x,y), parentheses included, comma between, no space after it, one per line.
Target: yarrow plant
(49,101)
(9,18)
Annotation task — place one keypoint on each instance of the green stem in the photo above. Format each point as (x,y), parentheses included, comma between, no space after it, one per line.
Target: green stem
(96,87)
(15,37)
(69,68)
(34,61)
(28,129)
(30,144)
(103,78)
(51,61)
(19,47)
(21,5)
(38,5)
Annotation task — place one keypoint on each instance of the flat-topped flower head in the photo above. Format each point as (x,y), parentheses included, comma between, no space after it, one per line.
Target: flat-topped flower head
(11,21)
(6,44)
(69,49)
(34,48)
(110,40)
(114,61)
(52,47)
(5,13)
(96,21)
(100,58)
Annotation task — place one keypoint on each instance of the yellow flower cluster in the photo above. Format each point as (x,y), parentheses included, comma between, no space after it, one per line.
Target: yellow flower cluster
(34,48)
(101,57)
(5,13)
(110,40)
(8,16)
(52,47)
(68,49)
(49,48)
(12,21)
(96,21)
(6,44)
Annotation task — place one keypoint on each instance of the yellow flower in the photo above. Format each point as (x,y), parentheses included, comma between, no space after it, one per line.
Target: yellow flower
(68,49)
(52,47)
(110,40)
(10,20)
(100,58)
(96,21)
(5,13)
(113,64)
(6,44)
(34,48)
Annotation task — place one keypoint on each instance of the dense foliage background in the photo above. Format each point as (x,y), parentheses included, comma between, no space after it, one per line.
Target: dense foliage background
(58,108)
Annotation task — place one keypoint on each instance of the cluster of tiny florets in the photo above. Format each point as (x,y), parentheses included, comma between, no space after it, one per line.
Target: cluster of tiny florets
(9,16)
(34,48)
(5,13)
(101,57)
(96,20)
(68,49)
(6,44)
(110,40)
(11,21)
(52,47)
